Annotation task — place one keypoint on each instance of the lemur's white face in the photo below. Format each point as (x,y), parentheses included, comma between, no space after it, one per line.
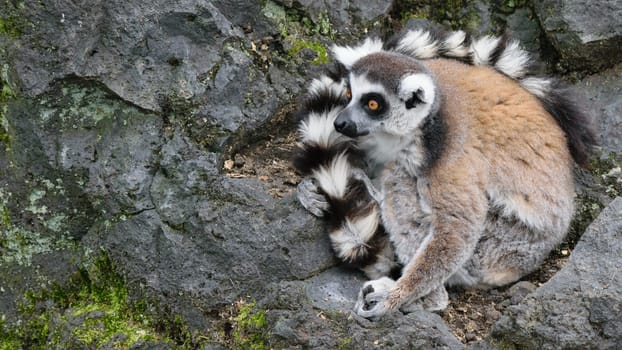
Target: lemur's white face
(378,105)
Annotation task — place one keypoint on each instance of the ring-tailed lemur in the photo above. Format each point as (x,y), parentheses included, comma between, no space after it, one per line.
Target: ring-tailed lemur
(475,171)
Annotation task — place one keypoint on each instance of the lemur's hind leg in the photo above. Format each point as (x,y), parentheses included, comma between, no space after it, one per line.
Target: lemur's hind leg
(507,251)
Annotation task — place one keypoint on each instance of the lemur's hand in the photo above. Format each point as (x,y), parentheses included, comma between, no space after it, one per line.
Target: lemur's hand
(360,175)
(311,198)
(373,299)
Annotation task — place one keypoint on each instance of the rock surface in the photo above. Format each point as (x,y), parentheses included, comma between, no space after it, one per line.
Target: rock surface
(587,34)
(580,307)
(602,93)
(316,314)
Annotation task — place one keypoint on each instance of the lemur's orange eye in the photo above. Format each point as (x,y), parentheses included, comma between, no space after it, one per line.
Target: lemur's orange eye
(348,94)
(373,105)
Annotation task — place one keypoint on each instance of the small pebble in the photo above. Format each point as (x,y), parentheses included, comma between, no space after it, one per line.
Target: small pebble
(228,164)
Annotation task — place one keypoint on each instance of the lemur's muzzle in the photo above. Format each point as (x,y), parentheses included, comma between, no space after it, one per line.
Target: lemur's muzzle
(345,125)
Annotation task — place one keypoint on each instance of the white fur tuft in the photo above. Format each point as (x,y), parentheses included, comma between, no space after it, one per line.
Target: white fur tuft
(419,44)
(537,86)
(483,48)
(351,240)
(319,129)
(325,83)
(453,45)
(347,55)
(334,178)
(513,61)
(366,226)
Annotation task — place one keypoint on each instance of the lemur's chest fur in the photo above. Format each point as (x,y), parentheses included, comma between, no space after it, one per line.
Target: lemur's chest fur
(405,204)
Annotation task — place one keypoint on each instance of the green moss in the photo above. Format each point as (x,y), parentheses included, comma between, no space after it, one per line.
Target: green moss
(8,339)
(509,6)
(6,94)
(459,14)
(92,311)
(249,327)
(320,50)
(344,343)
(300,32)
(504,344)
(608,172)
(417,14)
(12,22)
(587,209)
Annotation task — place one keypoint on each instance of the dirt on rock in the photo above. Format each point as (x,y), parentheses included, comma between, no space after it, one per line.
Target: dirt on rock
(470,314)
(270,161)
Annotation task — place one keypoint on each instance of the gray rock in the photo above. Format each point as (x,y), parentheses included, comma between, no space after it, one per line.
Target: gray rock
(586,34)
(334,289)
(481,345)
(316,314)
(345,15)
(193,53)
(210,240)
(368,10)
(310,330)
(518,291)
(602,93)
(580,307)
(478,17)
(523,25)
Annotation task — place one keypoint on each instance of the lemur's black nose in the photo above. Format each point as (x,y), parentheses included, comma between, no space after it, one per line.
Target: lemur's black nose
(345,125)
(339,125)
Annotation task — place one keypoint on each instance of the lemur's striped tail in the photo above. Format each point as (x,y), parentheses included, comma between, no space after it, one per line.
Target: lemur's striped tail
(353,217)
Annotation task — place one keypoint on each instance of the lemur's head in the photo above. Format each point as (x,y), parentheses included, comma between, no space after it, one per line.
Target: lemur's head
(388,93)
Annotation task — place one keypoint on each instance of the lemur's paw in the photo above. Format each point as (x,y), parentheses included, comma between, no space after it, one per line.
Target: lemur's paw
(311,198)
(360,175)
(372,300)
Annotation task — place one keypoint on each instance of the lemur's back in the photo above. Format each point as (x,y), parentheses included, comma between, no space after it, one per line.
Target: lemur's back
(519,149)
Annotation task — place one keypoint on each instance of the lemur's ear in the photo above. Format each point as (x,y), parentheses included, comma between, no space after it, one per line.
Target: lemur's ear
(416,89)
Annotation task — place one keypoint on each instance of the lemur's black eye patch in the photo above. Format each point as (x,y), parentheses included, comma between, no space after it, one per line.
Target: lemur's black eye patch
(374,104)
